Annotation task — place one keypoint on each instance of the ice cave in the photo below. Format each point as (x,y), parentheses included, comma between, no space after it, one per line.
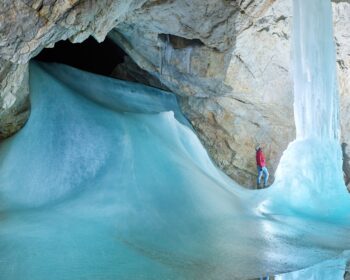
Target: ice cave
(108,178)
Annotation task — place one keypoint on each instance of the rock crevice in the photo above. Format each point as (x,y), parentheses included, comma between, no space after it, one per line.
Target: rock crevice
(228,61)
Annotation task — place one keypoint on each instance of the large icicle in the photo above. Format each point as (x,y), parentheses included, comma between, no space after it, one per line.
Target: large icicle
(316,103)
(104,182)
(107,181)
(309,177)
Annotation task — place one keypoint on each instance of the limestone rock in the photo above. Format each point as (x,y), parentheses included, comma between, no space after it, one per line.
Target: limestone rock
(235,95)
(236,86)
(27,26)
(341,14)
(14,97)
(130,71)
(30,25)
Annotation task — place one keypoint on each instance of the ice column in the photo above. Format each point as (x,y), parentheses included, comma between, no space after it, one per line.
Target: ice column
(315,83)
(180,58)
(166,54)
(309,174)
(188,59)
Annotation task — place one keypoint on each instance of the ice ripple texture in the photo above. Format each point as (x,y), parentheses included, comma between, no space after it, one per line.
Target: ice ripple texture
(107,180)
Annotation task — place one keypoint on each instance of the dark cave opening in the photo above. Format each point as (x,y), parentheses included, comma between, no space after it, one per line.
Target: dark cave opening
(100,58)
(105,58)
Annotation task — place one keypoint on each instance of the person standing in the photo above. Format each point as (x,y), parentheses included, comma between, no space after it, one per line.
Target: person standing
(261,166)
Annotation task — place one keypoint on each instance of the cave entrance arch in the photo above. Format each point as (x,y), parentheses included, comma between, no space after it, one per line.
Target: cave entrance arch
(100,58)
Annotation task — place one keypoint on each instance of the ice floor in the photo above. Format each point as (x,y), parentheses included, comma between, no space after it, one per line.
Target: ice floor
(108,181)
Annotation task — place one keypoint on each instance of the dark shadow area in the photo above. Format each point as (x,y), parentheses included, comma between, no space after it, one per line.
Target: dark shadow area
(180,42)
(91,56)
(346,165)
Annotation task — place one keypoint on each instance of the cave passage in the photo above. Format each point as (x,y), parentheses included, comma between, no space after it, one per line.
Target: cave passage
(100,58)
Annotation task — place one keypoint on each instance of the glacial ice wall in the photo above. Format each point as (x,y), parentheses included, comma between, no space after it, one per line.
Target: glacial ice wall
(309,177)
(115,184)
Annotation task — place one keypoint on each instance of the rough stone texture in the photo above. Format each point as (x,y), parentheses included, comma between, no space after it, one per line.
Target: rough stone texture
(239,94)
(27,26)
(130,71)
(228,60)
(258,109)
(14,101)
(236,95)
(346,275)
(342,38)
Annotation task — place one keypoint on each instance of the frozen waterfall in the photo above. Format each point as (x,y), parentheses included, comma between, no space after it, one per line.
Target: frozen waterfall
(115,184)
(309,178)
(107,180)
(316,103)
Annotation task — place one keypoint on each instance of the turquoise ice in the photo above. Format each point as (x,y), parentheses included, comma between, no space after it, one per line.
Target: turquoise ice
(107,180)
(118,188)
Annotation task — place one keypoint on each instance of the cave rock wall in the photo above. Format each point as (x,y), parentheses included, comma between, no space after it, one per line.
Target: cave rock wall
(228,61)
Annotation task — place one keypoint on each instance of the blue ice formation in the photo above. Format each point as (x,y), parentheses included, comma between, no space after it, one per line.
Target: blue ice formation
(107,180)
(333,269)
(309,178)
(97,186)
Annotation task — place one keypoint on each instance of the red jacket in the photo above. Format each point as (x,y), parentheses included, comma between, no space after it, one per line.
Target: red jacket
(260,158)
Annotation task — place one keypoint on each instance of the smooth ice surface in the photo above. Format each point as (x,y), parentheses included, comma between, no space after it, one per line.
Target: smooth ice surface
(108,181)
(334,269)
(309,177)
(105,183)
